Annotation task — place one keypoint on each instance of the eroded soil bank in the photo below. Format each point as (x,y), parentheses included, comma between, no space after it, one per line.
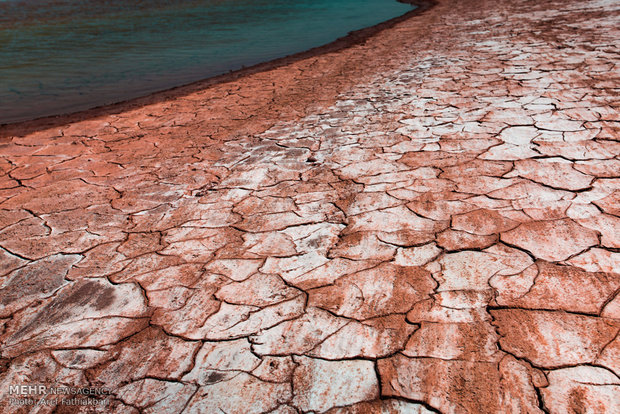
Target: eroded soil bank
(424,222)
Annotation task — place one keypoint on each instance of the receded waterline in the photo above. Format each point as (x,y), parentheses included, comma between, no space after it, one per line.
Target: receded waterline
(60,56)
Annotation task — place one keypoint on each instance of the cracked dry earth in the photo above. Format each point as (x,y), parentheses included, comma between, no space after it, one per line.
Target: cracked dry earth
(426,222)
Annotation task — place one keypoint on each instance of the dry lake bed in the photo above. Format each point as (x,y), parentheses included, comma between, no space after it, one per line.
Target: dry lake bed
(424,221)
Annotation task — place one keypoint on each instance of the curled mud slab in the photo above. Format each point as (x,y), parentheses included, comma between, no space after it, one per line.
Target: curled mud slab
(424,222)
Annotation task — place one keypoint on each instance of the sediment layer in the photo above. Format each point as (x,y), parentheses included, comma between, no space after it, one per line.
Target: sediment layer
(426,221)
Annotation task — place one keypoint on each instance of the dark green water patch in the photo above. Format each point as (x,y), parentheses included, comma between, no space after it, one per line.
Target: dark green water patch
(66,55)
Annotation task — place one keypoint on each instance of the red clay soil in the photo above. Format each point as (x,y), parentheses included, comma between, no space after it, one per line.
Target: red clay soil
(425,221)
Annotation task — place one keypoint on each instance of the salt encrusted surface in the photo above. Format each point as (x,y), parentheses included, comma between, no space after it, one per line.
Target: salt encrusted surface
(424,223)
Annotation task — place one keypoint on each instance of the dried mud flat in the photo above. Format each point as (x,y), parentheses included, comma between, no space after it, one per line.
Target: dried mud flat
(425,222)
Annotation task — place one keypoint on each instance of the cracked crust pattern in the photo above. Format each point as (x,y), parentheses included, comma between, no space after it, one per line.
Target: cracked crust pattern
(426,222)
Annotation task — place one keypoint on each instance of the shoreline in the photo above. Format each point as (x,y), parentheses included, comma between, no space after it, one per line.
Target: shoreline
(353,38)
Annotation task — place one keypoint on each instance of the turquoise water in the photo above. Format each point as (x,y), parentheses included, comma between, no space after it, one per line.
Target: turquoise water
(59,56)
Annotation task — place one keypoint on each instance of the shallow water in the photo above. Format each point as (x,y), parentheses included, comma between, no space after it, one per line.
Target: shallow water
(58,56)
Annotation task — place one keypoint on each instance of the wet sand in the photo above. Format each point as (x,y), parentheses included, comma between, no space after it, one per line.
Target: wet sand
(424,221)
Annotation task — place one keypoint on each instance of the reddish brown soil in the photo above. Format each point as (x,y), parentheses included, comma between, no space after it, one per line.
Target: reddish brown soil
(425,221)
